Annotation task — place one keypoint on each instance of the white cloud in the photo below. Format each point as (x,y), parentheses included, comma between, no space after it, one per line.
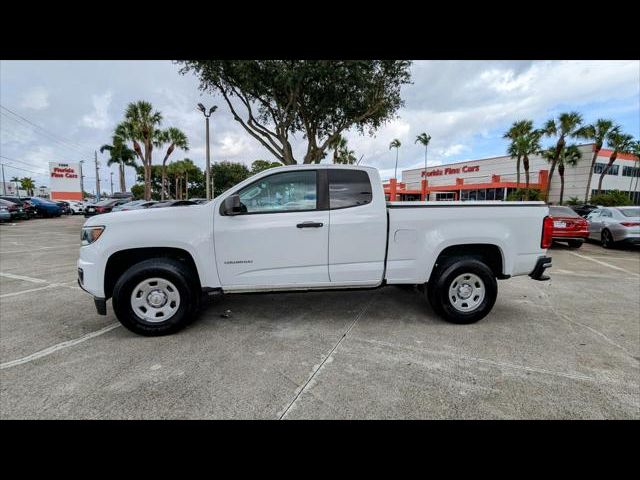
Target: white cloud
(35,99)
(99,118)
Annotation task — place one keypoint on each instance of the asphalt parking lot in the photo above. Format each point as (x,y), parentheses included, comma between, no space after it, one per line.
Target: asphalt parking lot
(564,349)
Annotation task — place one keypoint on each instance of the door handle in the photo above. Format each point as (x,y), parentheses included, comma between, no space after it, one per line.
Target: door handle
(310,225)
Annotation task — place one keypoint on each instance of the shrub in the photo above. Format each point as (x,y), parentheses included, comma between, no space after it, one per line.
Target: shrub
(614,198)
(573,201)
(521,193)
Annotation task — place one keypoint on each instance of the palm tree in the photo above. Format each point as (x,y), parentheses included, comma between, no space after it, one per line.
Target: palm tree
(395,144)
(424,139)
(121,154)
(596,132)
(570,156)
(175,138)
(517,130)
(529,144)
(617,142)
(141,128)
(635,151)
(339,143)
(566,125)
(28,184)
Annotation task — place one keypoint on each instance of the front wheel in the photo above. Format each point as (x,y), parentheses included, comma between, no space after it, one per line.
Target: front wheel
(155,297)
(463,291)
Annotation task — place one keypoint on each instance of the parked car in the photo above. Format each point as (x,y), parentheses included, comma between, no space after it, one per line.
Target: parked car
(26,204)
(308,228)
(45,208)
(612,225)
(64,207)
(103,206)
(173,203)
(584,209)
(134,205)
(5,215)
(568,226)
(76,207)
(16,210)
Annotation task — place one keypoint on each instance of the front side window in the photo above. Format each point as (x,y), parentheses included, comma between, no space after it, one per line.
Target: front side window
(348,188)
(281,192)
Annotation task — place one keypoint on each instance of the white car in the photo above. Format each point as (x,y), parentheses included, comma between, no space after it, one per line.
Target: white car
(308,227)
(76,207)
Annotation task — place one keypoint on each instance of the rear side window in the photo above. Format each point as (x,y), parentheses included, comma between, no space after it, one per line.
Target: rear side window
(348,188)
(630,212)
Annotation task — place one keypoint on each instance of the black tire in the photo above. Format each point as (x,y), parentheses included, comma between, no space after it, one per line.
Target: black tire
(166,268)
(606,239)
(438,289)
(575,243)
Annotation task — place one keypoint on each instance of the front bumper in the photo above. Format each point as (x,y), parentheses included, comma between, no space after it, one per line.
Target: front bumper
(541,265)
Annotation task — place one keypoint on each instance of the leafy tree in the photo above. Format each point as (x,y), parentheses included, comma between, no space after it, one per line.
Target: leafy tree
(522,194)
(566,125)
(138,191)
(122,155)
(228,174)
(424,139)
(617,142)
(395,143)
(614,198)
(318,98)
(176,139)
(597,132)
(259,165)
(28,184)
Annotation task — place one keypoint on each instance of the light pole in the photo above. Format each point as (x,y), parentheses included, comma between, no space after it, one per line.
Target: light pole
(210,192)
(81,182)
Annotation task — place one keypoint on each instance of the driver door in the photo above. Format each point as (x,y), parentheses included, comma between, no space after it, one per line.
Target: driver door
(281,238)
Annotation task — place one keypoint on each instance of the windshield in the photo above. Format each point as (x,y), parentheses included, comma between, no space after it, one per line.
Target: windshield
(630,212)
(562,212)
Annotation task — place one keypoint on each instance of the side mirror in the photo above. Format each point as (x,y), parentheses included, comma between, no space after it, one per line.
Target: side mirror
(232,205)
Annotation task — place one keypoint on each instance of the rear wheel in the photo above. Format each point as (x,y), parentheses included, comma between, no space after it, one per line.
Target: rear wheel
(463,291)
(155,297)
(606,239)
(575,243)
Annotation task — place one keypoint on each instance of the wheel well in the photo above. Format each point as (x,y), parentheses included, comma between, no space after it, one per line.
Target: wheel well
(489,254)
(120,261)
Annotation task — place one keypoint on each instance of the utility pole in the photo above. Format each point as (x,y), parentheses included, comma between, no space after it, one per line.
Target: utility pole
(97,176)
(81,182)
(4,185)
(112,184)
(208,180)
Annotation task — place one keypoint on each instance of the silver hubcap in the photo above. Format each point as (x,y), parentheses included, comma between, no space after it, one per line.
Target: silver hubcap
(155,300)
(466,292)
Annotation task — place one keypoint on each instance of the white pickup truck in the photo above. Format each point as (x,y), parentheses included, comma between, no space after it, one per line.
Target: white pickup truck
(307,228)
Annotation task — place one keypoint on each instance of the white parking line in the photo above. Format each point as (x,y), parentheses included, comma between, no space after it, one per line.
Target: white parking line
(605,264)
(59,346)
(22,277)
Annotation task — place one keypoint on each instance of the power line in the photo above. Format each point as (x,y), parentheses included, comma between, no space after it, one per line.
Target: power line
(59,137)
(23,169)
(48,136)
(19,161)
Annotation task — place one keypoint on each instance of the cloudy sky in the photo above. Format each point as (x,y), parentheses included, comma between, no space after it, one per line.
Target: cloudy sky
(68,109)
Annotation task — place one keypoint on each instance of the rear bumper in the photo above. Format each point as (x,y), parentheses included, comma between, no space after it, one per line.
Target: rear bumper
(541,265)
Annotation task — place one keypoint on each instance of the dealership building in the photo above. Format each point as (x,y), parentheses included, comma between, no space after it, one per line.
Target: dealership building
(494,178)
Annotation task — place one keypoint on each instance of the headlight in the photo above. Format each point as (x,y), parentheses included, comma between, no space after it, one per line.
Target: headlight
(90,234)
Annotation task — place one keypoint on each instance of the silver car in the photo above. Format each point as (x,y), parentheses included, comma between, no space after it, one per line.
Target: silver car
(611,225)
(133,205)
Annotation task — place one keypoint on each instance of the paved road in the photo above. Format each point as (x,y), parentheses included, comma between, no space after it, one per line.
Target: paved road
(568,348)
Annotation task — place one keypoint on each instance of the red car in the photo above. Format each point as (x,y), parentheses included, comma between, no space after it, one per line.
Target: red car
(568,226)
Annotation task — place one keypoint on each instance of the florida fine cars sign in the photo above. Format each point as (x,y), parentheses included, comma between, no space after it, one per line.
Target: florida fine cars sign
(451,171)
(65,181)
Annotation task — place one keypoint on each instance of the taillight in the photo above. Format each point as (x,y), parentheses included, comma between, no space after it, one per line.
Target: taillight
(630,224)
(547,232)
